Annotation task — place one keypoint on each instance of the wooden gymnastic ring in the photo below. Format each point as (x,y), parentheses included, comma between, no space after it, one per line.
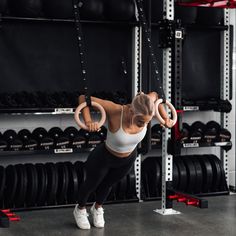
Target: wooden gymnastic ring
(173,111)
(82,106)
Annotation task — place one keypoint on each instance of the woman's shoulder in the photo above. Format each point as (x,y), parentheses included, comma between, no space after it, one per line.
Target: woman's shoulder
(116,109)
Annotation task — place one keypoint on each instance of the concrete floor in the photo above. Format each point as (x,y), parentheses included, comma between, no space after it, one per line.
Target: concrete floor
(136,219)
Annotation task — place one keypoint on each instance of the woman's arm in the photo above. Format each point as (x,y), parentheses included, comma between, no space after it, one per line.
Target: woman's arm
(168,122)
(108,106)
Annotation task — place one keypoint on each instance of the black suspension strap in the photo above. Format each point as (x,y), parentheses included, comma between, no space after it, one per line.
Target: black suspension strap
(76,5)
(147,36)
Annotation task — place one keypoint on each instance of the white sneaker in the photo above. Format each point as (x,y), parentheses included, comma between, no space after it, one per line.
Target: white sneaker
(97,214)
(81,218)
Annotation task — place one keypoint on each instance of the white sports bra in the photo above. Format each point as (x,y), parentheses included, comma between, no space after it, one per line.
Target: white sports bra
(122,142)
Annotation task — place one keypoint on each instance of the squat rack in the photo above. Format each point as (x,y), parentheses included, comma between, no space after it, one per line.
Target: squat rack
(172,68)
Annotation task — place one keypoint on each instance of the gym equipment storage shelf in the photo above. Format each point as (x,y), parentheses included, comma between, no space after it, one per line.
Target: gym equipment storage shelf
(38,111)
(100,22)
(46,152)
(198,26)
(224,145)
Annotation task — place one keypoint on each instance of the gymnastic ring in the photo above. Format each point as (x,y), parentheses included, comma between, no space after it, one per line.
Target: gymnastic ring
(173,111)
(82,106)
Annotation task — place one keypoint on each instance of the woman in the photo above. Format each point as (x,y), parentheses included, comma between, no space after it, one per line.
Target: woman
(112,160)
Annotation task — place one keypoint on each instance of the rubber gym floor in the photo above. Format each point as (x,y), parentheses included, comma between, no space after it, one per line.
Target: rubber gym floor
(136,219)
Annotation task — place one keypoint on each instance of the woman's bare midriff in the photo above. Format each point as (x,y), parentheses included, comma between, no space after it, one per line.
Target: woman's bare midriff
(118,154)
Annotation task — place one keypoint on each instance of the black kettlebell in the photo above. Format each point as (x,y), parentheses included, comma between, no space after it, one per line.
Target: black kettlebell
(26,8)
(184,133)
(91,9)
(58,8)
(122,10)
(3,6)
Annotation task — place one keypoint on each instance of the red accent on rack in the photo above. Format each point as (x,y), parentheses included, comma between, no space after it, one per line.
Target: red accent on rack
(6,216)
(189,201)
(208,3)
(176,126)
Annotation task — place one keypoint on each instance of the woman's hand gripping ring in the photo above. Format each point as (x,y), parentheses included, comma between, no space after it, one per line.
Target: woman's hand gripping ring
(82,106)
(173,111)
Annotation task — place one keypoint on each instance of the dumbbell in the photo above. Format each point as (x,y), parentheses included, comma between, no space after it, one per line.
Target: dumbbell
(14,143)
(73,98)
(60,99)
(21,100)
(156,134)
(95,138)
(58,8)
(61,140)
(34,100)
(29,143)
(27,100)
(8,100)
(26,8)
(47,100)
(224,135)
(185,132)
(103,133)
(223,106)
(64,99)
(41,136)
(3,143)
(77,140)
(211,132)
(92,9)
(197,131)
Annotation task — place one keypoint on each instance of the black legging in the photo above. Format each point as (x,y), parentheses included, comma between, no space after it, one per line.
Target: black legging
(102,170)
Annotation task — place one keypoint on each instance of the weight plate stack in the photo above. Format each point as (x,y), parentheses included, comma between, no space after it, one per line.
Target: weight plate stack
(32,184)
(63,182)
(21,188)
(182,173)
(207,173)
(216,170)
(42,184)
(175,176)
(199,175)
(52,175)
(223,185)
(11,185)
(73,186)
(191,173)
(2,184)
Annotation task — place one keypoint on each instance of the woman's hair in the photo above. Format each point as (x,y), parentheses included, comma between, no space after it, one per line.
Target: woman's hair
(142,104)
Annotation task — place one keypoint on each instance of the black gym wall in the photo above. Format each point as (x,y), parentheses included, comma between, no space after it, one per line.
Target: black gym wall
(43,56)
